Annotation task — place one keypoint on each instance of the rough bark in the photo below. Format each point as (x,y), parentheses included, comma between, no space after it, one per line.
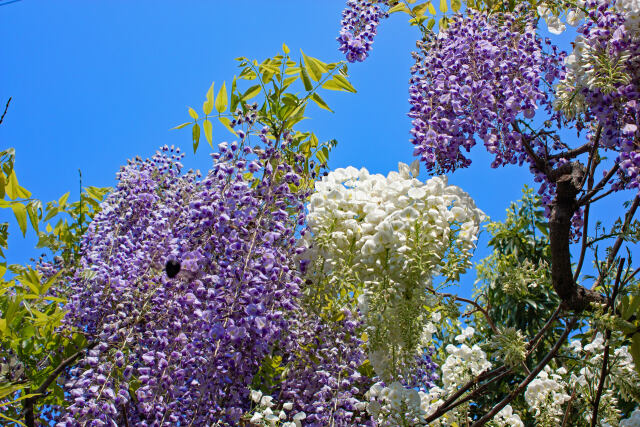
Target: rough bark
(569,179)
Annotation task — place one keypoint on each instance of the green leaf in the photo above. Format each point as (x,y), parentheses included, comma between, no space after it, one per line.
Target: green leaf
(316,98)
(193,113)
(339,82)
(400,7)
(3,182)
(251,92)
(227,123)
(431,23)
(221,99)
(12,419)
(12,186)
(634,303)
(456,5)
(195,133)
(20,211)
(32,210)
(183,125)
(635,350)
(285,48)
(313,67)
(208,131)
(432,10)
(207,107)
(420,9)
(443,6)
(306,81)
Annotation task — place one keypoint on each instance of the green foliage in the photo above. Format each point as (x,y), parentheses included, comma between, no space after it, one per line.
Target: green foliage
(280,90)
(32,345)
(516,282)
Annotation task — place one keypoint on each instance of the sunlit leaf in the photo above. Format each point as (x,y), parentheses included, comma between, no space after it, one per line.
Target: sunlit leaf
(221,99)
(183,125)
(316,98)
(193,113)
(251,92)
(207,107)
(20,212)
(208,131)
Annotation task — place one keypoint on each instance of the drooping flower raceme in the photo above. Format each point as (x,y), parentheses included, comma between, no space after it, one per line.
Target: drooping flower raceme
(474,79)
(175,351)
(359,26)
(546,394)
(397,233)
(602,82)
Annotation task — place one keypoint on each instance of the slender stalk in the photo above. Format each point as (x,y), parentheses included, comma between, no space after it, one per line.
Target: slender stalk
(504,402)
(618,243)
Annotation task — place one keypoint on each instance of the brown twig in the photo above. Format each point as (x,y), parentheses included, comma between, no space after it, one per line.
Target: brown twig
(605,359)
(586,198)
(468,301)
(504,402)
(6,107)
(618,243)
(29,403)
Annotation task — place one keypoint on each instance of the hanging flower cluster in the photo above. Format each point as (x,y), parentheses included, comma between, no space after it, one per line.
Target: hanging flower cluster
(182,350)
(323,380)
(359,26)
(397,233)
(475,79)
(602,82)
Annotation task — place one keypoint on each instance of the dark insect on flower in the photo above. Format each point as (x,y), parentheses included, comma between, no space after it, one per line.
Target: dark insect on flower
(172,267)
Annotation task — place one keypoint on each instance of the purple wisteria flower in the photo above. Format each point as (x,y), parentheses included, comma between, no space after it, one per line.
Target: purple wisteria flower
(359,27)
(183,350)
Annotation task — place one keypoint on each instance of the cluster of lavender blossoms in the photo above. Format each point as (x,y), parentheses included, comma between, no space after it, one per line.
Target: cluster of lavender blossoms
(602,83)
(359,26)
(475,79)
(184,350)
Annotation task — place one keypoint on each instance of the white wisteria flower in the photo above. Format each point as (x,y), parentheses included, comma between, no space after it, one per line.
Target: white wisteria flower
(390,236)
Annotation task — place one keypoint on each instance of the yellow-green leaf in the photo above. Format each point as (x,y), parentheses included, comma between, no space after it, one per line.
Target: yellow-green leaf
(443,6)
(12,185)
(208,131)
(13,420)
(432,10)
(193,113)
(420,9)
(314,68)
(227,123)
(183,125)
(251,92)
(285,48)
(456,5)
(195,133)
(316,98)
(305,78)
(399,7)
(20,211)
(221,99)
(635,350)
(207,107)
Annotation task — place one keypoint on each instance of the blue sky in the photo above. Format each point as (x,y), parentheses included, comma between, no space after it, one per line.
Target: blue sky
(97,82)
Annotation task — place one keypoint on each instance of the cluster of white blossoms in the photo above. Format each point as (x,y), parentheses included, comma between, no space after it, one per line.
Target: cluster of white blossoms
(396,405)
(397,233)
(462,364)
(265,414)
(584,61)
(622,380)
(546,394)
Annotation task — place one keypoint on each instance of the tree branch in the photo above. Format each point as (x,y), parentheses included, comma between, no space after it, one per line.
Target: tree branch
(504,402)
(618,243)
(6,107)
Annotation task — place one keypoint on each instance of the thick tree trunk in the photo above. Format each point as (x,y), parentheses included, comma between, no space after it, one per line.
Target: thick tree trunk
(569,179)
